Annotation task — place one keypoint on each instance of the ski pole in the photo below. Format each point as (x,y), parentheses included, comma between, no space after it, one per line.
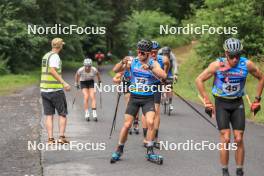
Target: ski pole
(74,98)
(114,119)
(100,94)
(193,108)
(250,103)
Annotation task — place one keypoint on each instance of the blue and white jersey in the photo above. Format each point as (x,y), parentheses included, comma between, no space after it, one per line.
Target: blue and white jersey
(141,80)
(230,81)
(161,63)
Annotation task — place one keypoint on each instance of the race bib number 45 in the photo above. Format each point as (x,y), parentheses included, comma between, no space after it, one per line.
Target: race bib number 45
(231,88)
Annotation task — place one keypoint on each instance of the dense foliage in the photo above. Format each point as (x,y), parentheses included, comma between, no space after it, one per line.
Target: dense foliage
(125,22)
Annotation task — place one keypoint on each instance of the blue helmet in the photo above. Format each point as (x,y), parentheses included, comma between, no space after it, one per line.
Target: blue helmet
(155,45)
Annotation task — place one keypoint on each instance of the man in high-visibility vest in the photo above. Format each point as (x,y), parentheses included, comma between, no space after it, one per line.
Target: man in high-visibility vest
(51,87)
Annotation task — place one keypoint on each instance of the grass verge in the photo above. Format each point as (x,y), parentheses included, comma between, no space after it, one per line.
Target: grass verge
(14,82)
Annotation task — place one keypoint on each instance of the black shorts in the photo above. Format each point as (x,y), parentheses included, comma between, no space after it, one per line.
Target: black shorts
(87,84)
(157,94)
(54,100)
(230,111)
(125,86)
(137,101)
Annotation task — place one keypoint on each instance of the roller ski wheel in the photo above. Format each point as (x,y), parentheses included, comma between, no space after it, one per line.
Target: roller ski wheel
(155,158)
(115,157)
(136,131)
(130,131)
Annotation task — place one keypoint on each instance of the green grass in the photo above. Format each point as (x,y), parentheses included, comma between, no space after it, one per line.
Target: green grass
(190,68)
(14,82)
(71,65)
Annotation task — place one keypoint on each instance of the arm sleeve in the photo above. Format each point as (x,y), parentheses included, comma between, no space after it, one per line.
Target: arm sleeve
(54,61)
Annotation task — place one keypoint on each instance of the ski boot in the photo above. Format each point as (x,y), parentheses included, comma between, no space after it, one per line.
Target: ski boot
(225,172)
(87,116)
(239,172)
(115,157)
(157,145)
(117,154)
(154,158)
(95,115)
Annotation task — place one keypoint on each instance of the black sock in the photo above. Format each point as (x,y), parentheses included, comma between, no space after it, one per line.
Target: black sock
(120,148)
(93,108)
(145,130)
(157,133)
(150,147)
(170,100)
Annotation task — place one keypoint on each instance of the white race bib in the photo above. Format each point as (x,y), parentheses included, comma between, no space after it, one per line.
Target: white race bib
(231,88)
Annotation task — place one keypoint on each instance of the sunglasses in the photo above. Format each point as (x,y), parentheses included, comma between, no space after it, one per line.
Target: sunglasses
(232,57)
(143,53)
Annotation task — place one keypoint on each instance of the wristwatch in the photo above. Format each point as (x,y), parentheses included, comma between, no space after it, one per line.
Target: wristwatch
(150,67)
(258,98)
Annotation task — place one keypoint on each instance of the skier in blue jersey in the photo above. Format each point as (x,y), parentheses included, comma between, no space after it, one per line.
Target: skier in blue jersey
(165,65)
(230,73)
(142,90)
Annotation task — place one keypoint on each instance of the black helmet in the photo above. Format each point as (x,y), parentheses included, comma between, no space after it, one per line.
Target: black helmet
(144,45)
(166,50)
(233,46)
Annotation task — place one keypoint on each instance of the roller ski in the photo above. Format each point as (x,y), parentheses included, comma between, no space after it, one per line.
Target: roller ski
(155,158)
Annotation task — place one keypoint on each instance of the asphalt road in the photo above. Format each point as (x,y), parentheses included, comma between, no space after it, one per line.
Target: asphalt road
(182,126)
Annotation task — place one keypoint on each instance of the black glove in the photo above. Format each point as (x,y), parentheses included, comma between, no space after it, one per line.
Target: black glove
(209,111)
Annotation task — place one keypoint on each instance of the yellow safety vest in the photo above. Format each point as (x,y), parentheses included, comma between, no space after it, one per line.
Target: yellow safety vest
(47,80)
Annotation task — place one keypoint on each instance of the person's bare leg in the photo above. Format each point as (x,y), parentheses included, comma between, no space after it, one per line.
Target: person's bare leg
(85,99)
(49,125)
(240,152)
(150,116)
(124,131)
(62,125)
(145,128)
(157,121)
(93,98)
(225,141)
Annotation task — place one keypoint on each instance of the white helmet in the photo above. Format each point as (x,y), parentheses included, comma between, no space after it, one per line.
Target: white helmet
(233,46)
(87,62)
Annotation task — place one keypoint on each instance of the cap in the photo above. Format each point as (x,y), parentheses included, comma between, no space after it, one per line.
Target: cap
(57,43)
